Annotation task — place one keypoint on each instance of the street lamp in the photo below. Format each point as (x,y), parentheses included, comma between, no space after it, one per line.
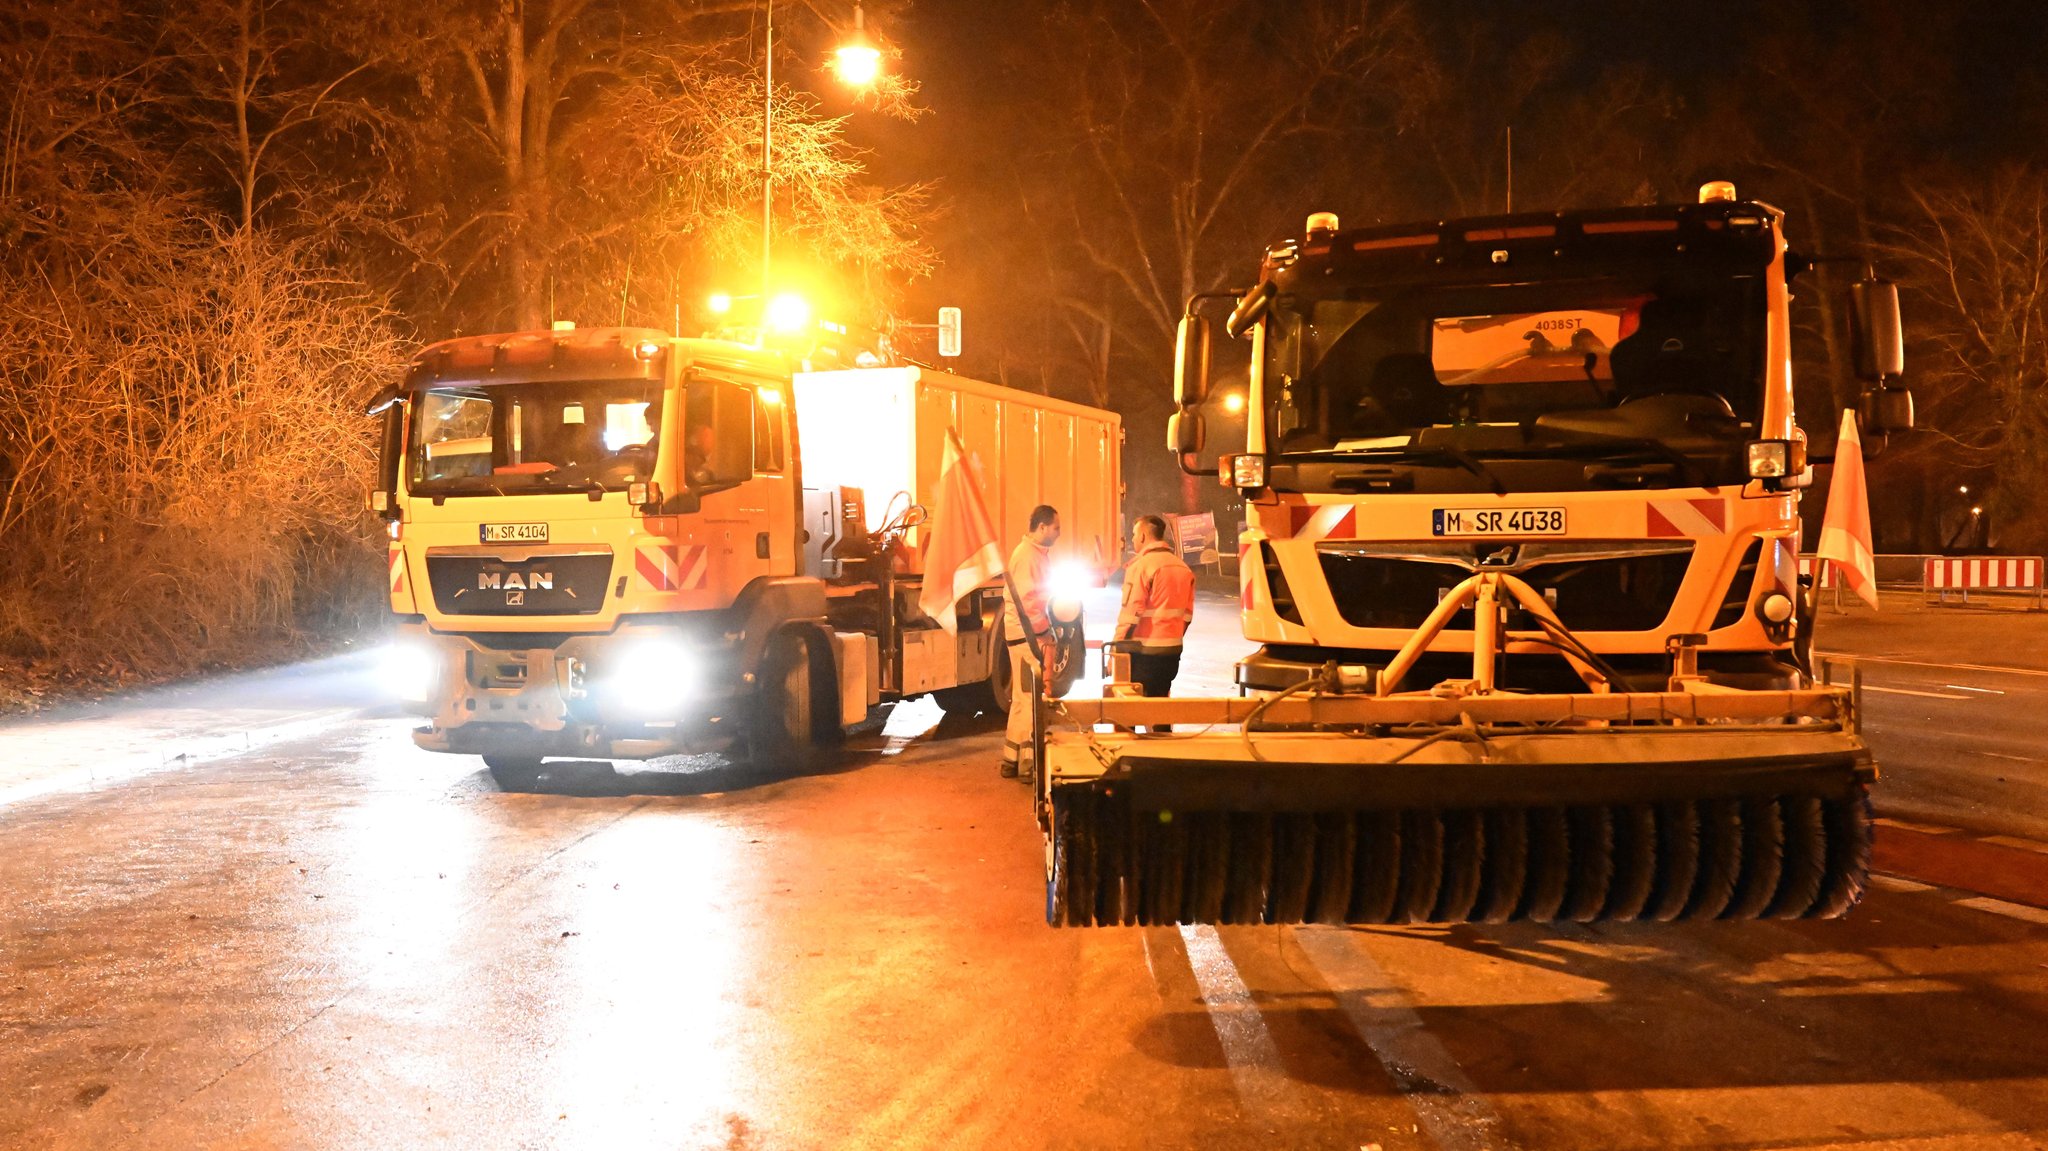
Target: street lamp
(860,63)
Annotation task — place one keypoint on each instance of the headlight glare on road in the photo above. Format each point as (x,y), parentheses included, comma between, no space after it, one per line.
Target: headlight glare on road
(651,676)
(410,670)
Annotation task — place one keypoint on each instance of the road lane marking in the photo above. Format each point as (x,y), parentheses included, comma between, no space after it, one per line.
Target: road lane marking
(1922,828)
(2009,910)
(2012,758)
(1262,1082)
(1913,691)
(2033,845)
(1984,903)
(2001,669)
(1445,1100)
(1967,687)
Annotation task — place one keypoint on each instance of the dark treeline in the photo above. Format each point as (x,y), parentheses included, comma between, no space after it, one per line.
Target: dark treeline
(223,223)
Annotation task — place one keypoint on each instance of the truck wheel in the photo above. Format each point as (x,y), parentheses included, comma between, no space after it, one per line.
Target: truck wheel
(1072,660)
(788,730)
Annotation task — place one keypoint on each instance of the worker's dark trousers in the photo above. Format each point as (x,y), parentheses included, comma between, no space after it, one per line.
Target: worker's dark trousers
(1154,671)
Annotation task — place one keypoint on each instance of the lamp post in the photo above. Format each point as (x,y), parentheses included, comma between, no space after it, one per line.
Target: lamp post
(860,63)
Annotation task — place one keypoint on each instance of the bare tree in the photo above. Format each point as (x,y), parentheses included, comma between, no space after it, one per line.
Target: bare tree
(1976,252)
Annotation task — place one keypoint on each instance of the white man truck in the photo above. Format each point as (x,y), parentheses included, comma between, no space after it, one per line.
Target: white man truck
(1522,566)
(616,543)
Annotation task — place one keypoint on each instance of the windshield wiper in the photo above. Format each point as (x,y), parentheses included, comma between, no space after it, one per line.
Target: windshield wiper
(1438,451)
(1639,445)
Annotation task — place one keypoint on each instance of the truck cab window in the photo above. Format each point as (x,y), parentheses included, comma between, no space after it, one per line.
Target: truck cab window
(454,437)
(718,434)
(768,430)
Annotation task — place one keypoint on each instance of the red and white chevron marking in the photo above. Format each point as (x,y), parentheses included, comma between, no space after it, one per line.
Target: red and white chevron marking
(1983,571)
(1310,522)
(397,571)
(1685,519)
(673,567)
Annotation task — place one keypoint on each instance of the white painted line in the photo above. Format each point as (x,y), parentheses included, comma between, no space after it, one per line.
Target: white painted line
(1922,828)
(2015,841)
(1448,1104)
(2001,669)
(1967,687)
(1262,1082)
(2012,758)
(1911,691)
(2009,910)
(1895,883)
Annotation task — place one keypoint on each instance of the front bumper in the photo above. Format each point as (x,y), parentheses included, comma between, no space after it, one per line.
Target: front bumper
(548,695)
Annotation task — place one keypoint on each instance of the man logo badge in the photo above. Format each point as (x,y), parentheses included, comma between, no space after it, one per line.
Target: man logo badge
(515,581)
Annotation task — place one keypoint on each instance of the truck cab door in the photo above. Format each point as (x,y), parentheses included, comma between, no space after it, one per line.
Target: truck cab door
(736,454)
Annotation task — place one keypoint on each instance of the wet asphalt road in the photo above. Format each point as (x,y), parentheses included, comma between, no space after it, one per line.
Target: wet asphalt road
(309,934)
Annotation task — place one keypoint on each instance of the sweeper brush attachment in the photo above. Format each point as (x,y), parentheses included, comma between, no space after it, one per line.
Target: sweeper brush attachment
(1493,823)
(1332,804)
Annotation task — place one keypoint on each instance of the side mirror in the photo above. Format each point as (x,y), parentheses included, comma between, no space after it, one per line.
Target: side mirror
(1250,310)
(1185,433)
(383,499)
(1191,361)
(1876,331)
(1888,410)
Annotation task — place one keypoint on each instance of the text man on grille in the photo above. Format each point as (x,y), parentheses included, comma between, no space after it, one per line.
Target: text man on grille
(1029,631)
(1159,600)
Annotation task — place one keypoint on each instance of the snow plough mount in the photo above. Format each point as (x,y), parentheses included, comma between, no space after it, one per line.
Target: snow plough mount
(1327,803)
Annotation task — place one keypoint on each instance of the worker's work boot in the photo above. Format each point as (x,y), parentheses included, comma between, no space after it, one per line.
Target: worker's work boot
(1008,767)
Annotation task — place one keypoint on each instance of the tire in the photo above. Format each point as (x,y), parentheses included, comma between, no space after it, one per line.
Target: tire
(513,764)
(1073,657)
(787,731)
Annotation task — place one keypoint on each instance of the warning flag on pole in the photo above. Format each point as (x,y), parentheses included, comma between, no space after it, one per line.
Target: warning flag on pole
(1845,538)
(961,551)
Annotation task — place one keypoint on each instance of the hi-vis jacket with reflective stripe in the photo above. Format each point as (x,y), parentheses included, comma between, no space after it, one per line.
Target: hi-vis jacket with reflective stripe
(1159,599)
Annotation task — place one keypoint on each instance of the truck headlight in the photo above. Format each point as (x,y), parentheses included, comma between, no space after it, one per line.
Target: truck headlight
(410,670)
(1776,459)
(1064,587)
(651,676)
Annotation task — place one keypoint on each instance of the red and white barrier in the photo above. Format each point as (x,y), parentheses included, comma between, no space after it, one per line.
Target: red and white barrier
(1944,574)
(1824,574)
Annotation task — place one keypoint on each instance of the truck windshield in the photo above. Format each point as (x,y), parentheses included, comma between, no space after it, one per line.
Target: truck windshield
(473,438)
(1570,368)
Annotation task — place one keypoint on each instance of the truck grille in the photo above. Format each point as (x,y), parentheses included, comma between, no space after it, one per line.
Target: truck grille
(467,583)
(1625,585)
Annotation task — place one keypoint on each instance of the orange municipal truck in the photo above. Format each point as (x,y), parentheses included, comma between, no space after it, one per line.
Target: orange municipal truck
(617,543)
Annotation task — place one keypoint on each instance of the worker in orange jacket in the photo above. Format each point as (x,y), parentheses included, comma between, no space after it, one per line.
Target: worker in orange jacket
(1029,632)
(1159,600)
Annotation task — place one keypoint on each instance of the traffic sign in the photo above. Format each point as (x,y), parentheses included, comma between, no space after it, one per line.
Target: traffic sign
(949,331)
